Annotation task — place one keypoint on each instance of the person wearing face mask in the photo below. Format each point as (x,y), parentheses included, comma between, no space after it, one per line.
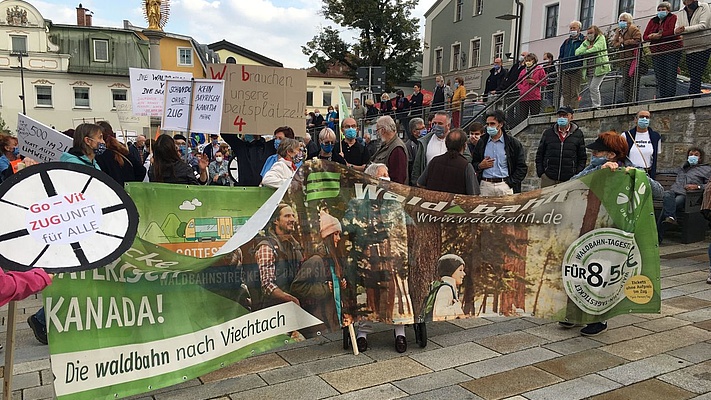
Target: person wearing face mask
(530,82)
(392,151)
(694,24)
(169,167)
(10,158)
(499,159)
(627,42)
(665,46)
(496,76)
(354,153)
(476,129)
(438,94)
(120,163)
(644,144)
(692,175)
(609,150)
(279,135)
(327,142)
(595,49)
(416,101)
(416,130)
(570,65)
(251,153)
(358,111)
(88,143)
(212,147)
(218,170)
(561,151)
(283,169)
(432,145)
(460,93)
(510,83)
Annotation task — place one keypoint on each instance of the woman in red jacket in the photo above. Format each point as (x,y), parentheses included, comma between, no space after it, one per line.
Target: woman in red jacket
(666,49)
(530,81)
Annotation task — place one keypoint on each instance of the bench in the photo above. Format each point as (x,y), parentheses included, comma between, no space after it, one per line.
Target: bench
(692,224)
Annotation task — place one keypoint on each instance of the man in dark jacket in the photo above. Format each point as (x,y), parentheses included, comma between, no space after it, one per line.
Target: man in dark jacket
(571,66)
(510,82)
(561,151)
(438,95)
(499,159)
(416,101)
(496,77)
(251,154)
(451,172)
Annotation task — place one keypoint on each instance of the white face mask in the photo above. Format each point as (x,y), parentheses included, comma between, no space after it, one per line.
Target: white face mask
(385,178)
(218,159)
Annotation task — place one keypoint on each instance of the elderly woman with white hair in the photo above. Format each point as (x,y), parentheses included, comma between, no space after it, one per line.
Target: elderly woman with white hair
(627,41)
(378,170)
(327,142)
(285,166)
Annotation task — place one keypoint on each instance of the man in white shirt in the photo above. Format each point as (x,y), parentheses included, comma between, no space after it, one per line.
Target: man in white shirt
(432,145)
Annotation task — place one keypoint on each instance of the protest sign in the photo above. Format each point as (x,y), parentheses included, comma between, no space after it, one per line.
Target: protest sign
(259,99)
(40,142)
(208,101)
(175,317)
(64,217)
(148,87)
(124,111)
(176,112)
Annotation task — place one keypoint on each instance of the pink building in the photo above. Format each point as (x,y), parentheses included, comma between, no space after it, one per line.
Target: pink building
(545,22)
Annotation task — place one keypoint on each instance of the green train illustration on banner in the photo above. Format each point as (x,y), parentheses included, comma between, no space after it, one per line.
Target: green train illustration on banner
(212,229)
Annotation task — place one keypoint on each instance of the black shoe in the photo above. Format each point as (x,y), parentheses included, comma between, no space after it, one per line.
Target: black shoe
(594,329)
(670,221)
(362,344)
(400,344)
(38,329)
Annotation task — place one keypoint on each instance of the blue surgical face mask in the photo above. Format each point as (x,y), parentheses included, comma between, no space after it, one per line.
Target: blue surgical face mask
(248,138)
(562,121)
(661,14)
(350,133)
(456,85)
(277,142)
(438,131)
(693,160)
(16,151)
(183,150)
(100,149)
(497,67)
(423,132)
(492,130)
(643,122)
(622,24)
(327,148)
(598,161)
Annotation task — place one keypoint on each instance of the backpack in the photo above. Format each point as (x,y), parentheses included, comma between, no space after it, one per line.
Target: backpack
(428,305)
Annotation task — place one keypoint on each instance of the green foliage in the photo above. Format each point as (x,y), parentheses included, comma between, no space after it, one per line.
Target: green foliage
(387,36)
(3,126)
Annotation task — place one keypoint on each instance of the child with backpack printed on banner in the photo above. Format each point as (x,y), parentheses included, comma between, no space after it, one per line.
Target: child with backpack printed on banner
(442,302)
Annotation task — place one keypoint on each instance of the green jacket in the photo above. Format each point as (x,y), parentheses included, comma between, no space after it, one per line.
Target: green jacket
(599,49)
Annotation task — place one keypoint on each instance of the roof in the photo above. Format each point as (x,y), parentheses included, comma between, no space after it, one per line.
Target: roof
(231,47)
(435,5)
(335,71)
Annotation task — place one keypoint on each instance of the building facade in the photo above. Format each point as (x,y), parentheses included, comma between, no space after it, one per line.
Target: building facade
(70,74)
(231,53)
(463,37)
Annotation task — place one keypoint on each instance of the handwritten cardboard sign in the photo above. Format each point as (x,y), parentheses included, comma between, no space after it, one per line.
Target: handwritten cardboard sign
(124,111)
(148,87)
(259,99)
(176,113)
(40,142)
(194,106)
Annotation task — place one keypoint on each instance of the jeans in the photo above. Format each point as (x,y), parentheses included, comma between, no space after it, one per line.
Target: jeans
(697,62)
(671,203)
(665,66)
(594,86)
(40,316)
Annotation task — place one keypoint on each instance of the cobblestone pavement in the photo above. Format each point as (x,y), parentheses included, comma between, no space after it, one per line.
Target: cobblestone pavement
(647,356)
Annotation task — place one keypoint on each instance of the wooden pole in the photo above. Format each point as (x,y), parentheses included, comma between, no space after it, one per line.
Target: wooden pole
(354,344)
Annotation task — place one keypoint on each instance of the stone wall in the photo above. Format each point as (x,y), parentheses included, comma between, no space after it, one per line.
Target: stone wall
(682,123)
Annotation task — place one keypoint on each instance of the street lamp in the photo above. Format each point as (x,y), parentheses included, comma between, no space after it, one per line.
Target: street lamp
(517,34)
(20,55)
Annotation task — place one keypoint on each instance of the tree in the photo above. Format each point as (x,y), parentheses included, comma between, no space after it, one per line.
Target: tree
(3,126)
(387,37)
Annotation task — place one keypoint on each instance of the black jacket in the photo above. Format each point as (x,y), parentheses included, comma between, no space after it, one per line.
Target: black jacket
(494,80)
(561,160)
(251,157)
(515,160)
(511,77)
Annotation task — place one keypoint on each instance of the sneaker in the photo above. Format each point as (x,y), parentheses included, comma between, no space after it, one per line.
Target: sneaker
(670,220)
(708,280)
(38,329)
(594,329)
(566,325)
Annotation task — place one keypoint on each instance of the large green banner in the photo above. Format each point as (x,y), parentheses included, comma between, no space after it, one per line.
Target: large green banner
(218,274)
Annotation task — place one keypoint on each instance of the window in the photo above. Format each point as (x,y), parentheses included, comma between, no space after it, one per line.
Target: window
(626,6)
(231,60)
(676,5)
(456,53)
(101,50)
(81,97)
(44,96)
(118,95)
(438,61)
(474,53)
(587,8)
(326,99)
(185,56)
(309,98)
(19,44)
(458,10)
(552,21)
(478,7)
(498,46)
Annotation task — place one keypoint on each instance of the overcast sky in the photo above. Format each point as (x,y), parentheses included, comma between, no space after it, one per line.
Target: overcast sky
(274,28)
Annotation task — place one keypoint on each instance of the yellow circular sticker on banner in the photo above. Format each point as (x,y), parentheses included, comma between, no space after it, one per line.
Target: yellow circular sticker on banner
(639,289)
